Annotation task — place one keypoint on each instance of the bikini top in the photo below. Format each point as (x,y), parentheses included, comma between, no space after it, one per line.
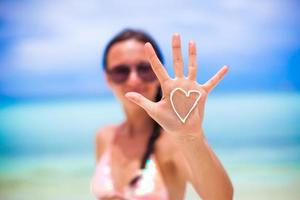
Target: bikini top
(149,186)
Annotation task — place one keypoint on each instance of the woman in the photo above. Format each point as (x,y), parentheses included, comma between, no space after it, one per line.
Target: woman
(154,152)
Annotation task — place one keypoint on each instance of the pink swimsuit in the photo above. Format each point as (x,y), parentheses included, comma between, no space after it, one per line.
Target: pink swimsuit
(149,187)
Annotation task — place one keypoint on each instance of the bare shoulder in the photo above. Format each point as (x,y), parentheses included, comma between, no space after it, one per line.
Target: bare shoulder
(172,165)
(102,138)
(104,133)
(167,147)
(170,152)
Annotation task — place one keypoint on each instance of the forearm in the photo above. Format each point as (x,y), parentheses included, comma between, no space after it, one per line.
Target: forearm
(208,176)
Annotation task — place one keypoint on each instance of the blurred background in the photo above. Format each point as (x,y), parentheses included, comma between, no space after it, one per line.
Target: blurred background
(53,97)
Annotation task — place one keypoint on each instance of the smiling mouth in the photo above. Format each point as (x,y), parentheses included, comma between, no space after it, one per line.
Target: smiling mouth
(138,90)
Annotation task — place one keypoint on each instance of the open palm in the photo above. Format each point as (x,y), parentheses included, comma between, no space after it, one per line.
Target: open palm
(162,111)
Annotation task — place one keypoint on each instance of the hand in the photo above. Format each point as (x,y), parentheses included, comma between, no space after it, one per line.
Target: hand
(162,111)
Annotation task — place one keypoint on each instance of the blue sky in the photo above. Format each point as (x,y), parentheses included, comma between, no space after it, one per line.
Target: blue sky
(54,48)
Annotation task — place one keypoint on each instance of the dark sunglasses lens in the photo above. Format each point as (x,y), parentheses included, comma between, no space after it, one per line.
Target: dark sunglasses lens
(119,74)
(145,72)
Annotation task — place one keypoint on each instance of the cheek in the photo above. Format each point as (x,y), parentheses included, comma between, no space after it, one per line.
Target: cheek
(149,90)
(153,90)
(119,92)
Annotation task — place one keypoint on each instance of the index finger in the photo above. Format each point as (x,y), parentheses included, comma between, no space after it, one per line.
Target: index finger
(157,67)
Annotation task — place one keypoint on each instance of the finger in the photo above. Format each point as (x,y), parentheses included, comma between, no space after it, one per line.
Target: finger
(213,82)
(140,100)
(177,56)
(157,67)
(192,61)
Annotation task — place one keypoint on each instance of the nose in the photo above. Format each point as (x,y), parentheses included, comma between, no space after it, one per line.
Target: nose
(133,78)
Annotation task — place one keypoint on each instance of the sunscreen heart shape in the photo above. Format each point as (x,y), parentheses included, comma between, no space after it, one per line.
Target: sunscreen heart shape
(187,97)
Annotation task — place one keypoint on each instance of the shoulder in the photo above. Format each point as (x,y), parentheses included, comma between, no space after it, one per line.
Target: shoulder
(102,138)
(171,153)
(172,162)
(167,148)
(105,132)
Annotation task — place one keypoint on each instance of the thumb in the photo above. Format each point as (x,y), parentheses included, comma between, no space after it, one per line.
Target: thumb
(140,100)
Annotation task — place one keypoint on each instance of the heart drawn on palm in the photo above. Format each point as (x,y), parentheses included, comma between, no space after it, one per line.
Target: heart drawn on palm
(184,102)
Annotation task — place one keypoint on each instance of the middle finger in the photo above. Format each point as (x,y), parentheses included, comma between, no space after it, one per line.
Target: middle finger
(177,56)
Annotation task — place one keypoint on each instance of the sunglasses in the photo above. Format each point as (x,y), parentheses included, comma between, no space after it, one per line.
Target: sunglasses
(120,73)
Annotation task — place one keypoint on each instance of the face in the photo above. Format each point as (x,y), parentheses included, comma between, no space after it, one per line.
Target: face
(129,56)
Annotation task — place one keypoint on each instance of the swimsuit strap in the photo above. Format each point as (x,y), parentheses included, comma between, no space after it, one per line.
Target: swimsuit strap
(148,186)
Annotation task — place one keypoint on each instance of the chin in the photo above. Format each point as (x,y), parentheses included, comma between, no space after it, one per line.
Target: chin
(132,107)
(146,93)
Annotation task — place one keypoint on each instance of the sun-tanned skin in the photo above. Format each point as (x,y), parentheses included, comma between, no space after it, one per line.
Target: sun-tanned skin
(181,152)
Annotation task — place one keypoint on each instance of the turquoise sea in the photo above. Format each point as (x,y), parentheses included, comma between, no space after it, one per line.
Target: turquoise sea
(46,146)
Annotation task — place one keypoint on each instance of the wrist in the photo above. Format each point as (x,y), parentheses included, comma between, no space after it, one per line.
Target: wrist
(190,136)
